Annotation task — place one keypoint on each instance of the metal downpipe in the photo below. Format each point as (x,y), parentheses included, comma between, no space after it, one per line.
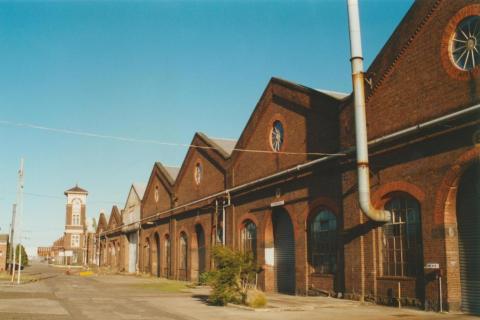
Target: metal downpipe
(363,170)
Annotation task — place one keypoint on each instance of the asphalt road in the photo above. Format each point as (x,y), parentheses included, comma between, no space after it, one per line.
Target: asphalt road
(60,296)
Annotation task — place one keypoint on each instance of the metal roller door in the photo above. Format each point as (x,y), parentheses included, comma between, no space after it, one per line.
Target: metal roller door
(201,249)
(284,252)
(468,221)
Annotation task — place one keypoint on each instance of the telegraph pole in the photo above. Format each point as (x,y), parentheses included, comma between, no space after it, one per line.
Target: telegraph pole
(15,226)
(12,234)
(20,204)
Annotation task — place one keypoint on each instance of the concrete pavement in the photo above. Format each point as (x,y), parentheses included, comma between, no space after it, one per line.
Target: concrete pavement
(60,297)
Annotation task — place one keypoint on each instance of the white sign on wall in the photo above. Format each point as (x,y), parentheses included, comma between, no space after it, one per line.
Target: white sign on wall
(68,253)
(269,256)
(432,265)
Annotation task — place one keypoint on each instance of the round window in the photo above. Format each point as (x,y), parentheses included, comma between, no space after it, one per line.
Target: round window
(277,137)
(198,173)
(465,44)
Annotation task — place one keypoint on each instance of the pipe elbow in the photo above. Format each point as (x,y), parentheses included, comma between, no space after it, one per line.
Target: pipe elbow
(371,212)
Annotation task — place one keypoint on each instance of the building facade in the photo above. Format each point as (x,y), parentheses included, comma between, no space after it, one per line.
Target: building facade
(3,251)
(287,189)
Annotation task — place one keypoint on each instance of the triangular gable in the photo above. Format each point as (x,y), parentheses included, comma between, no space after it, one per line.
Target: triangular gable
(102,223)
(115,219)
(133,198)
(139,189)
(163,178)
(213,160)
(296,106)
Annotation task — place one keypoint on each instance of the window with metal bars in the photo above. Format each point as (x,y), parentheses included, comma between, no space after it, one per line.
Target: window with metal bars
(249,238)
(183,256)
(402,238)
(323,242)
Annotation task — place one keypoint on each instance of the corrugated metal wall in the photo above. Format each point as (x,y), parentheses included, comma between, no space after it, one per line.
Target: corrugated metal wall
(284,252)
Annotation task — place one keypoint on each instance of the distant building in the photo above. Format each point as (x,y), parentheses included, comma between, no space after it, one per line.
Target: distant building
(76,246)
(131,224)
(3,251)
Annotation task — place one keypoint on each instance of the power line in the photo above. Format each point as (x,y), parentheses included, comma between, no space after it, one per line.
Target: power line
(149,141)
(63,198)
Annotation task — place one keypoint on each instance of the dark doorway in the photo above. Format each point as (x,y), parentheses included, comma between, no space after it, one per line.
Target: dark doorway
(468,221)
(284,242)
(157,247)
(168,255)
(201,248)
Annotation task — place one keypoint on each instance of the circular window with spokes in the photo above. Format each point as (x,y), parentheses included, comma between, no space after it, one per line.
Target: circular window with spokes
(277,136)
(465,44)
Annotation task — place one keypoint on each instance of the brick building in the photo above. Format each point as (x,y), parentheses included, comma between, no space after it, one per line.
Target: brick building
(76,246)
(287,189)
(3,251)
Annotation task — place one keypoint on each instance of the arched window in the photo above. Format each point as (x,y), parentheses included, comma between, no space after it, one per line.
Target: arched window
(183,256)
(249,238)
(402,238)
(323,242)
(167,256)
(76,208)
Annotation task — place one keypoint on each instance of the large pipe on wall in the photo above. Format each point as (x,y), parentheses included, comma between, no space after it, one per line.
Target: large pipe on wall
(363,170)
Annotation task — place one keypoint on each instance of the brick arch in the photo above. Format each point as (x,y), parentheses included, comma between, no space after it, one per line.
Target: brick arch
(183,230)
(194,249)
(319,202)
(245,217)
(445,200)
(268,240)
(267,229)
(156,254)
(380,196)
(445,216)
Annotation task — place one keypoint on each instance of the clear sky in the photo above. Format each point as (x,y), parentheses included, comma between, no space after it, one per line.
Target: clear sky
(150,70)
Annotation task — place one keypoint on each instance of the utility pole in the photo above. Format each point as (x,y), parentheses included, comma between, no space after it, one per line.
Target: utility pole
(12,234)
(19,207)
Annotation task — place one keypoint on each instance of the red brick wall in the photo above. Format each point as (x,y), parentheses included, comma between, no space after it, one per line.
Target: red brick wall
(149,205)
(310,123)
(212,178)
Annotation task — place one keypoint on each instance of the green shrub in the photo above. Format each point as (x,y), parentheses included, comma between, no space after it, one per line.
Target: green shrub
(205,278)
(234,276)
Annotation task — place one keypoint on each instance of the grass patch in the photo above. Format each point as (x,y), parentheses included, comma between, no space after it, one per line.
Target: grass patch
(164,286)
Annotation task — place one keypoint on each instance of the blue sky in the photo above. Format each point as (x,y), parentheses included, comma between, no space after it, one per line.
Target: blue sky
(150,70)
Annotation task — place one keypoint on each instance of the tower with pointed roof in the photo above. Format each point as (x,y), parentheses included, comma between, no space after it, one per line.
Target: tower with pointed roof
(75,239)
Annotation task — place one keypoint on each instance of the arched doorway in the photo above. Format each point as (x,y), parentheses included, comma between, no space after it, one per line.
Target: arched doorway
(468,222)
(183,257)
(168,254)
(157,248)
(146,256)
(284,244)
(201,248)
